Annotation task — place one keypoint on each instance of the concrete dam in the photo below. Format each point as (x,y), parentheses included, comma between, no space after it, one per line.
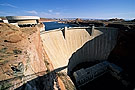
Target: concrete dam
(69,47)
(65,59)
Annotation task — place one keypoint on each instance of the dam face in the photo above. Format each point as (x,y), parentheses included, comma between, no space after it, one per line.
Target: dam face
(72,46)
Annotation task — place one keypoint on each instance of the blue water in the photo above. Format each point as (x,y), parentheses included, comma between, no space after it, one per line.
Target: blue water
(55,25)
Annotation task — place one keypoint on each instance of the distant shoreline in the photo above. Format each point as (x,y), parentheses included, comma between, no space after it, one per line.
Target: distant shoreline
(50,21)
(47,20)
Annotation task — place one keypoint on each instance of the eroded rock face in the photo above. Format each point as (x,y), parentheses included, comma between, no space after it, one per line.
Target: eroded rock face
(21,52)
(23,60)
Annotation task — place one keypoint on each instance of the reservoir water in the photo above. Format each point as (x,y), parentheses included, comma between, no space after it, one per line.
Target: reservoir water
(55,25)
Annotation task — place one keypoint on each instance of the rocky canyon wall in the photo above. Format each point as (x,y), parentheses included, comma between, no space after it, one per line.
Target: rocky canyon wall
(24,64)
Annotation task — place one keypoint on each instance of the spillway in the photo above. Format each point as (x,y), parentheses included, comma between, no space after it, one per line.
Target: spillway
(71,46)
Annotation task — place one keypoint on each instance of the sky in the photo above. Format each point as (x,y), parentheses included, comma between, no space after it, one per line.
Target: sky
(92,9)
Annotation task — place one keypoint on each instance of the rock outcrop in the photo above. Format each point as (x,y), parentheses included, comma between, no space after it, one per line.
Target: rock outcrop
(24,63)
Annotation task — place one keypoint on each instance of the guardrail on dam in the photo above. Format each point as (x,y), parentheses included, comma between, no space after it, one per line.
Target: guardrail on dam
(73,46)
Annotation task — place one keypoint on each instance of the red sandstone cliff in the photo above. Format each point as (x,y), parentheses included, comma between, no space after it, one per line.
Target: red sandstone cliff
(24,63)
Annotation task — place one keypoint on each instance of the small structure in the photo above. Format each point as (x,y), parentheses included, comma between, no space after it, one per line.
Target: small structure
(84,76)
(23,21)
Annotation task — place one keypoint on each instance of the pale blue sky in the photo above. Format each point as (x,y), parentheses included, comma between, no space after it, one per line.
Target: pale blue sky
(97,9)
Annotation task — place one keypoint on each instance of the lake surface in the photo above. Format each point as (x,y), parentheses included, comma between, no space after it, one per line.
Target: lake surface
(55,25)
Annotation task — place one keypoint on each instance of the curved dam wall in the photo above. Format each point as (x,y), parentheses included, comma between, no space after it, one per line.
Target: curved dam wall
(69,47)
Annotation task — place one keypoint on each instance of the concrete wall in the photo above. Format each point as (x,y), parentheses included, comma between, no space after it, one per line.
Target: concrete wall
(76,45)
